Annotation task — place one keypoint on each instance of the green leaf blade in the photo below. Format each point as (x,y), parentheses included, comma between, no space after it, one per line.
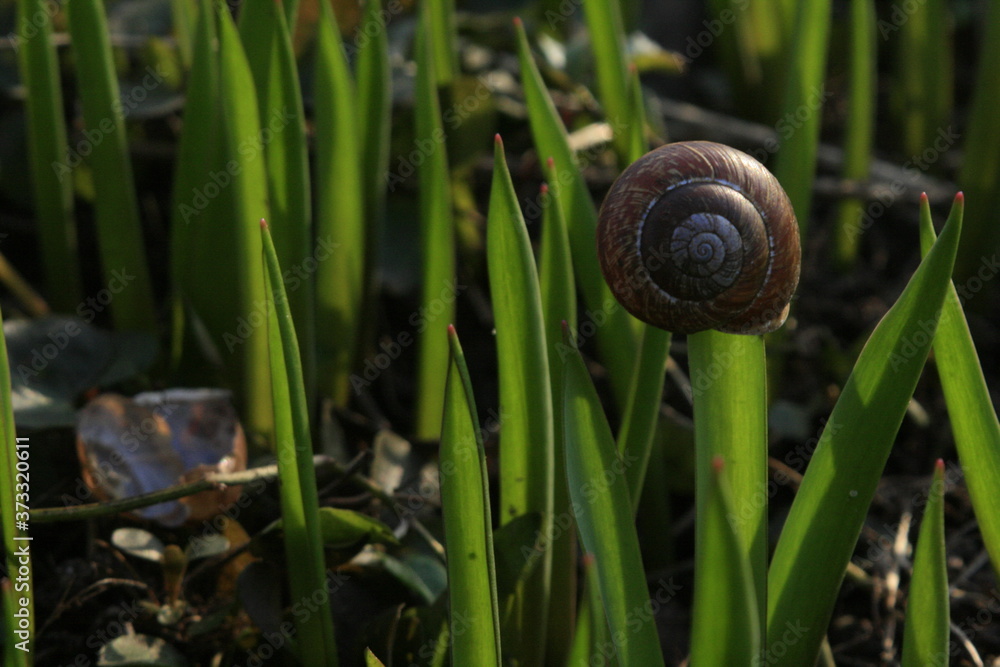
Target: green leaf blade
(970,408)
(246,201)
(728,380)
(925,638)
(725,619)
(467,523)
(526,478)
(293,445)
(604,516)
(119,228)
(47,153)
(615,340)
(268,47)
(826,517)
(437,238)
(340,287)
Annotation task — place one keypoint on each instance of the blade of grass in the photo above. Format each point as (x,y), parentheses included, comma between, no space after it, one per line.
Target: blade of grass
(558,296)
(925,638)
(441,26)
(607,40)
(637,144)
(299,497)
(52,187)
(116,209)
(638,428)
(199,226)
(465,500)
(860,125)
(753,52)
(615,341)
(374,79)
(17,644)
(604,515)
(980,170)
(272,62)
(722,581)
(822,528)
(973,419)
(804,93)
(437,237)
(591,628)
(184,17)
(728,380)
(526,465)
(247,201)
(922,88)
(340,284)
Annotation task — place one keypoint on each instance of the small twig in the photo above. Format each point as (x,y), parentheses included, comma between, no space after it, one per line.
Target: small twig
(32,301)
(211,481)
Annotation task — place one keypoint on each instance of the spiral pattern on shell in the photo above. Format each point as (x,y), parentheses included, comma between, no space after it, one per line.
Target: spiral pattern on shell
(696,235)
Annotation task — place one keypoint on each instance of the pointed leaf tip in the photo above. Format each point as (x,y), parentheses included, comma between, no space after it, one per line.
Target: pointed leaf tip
(544,189)
(263,223)
(960,198)
(939,466)
(497,139)
(517,22)
(451,330)
(717,464)
(923,198)
(550,162)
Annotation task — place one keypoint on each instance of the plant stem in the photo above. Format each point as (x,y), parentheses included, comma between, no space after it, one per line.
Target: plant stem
(730,417)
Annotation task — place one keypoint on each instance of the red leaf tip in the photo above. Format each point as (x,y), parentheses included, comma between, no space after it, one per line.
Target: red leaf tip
(544,188)
(960,197)
(517,22)
(717,464)
(550,162)
(263,223)
(497,139)
(939,465)
(923,198)
(451,330)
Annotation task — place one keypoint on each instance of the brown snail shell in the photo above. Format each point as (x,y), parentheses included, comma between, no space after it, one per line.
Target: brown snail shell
(696,235)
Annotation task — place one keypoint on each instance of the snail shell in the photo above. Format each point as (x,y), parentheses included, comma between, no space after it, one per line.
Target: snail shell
(696,235)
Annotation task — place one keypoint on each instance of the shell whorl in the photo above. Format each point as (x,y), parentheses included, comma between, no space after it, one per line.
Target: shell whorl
(697,235)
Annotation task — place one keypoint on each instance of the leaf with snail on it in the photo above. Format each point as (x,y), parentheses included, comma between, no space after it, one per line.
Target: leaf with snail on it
(970,409)
(825,521)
